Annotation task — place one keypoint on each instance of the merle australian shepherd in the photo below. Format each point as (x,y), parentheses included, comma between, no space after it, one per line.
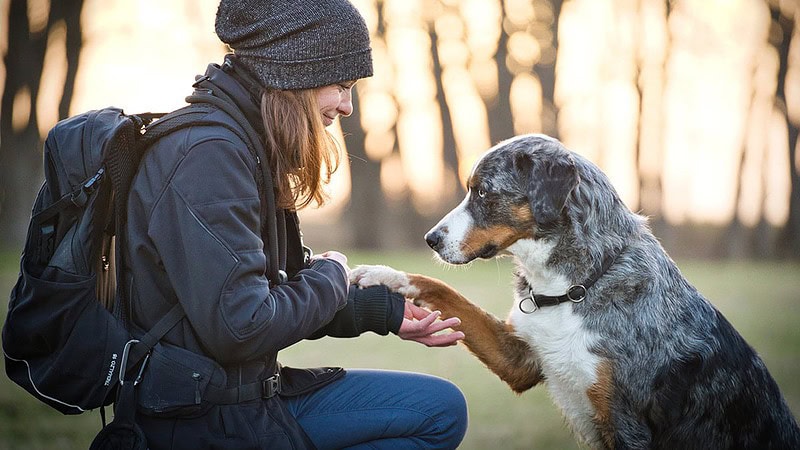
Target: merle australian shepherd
(630,352)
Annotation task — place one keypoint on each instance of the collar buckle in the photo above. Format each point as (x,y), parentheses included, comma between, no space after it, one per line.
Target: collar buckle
(533,305)
(576,293)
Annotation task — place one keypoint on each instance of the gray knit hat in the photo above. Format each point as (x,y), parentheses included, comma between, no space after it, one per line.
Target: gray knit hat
(297,44)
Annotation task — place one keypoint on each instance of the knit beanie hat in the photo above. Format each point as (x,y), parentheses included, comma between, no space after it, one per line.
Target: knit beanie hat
(296,44)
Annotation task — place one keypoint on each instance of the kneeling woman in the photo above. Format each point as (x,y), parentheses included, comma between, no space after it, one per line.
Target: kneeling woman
(196,233)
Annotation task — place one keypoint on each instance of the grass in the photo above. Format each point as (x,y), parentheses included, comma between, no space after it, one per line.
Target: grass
(762,299)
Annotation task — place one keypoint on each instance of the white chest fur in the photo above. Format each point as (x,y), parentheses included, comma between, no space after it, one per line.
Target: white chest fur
(557,336)
(562,344)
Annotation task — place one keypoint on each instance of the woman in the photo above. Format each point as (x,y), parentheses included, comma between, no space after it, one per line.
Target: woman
(195,238)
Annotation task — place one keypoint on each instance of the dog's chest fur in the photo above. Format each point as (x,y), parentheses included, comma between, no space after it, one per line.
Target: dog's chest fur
(562,344)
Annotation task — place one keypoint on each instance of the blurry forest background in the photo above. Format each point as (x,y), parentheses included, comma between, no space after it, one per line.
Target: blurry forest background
(692,107)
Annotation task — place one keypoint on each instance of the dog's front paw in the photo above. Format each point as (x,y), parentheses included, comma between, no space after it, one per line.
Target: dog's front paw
(395,280)
(425,304)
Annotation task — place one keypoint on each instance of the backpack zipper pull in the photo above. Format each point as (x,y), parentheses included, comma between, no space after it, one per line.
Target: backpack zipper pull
(197,377)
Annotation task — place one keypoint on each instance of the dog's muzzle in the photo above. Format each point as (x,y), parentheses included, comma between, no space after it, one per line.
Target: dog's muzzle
(434,239)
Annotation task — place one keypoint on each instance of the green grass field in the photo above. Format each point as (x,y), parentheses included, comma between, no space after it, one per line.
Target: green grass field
(762,299)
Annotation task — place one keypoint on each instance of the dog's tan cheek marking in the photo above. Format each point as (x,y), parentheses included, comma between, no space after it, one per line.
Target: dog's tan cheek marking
(499,235)
(522,214)
(600,394)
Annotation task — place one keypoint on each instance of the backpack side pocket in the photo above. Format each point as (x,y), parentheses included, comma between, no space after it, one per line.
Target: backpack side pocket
(175,381)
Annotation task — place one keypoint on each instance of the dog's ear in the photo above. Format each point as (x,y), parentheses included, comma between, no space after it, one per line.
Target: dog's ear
(548,183)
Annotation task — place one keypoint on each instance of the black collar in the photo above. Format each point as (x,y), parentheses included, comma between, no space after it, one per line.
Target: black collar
(575,293)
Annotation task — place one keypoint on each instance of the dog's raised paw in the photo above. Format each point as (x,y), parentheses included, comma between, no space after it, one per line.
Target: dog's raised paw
(395,280)
(422,303)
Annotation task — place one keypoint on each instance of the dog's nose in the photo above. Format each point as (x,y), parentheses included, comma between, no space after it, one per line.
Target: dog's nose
(434,239)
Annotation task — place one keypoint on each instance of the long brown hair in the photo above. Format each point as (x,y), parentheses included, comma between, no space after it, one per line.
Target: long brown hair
(303,154)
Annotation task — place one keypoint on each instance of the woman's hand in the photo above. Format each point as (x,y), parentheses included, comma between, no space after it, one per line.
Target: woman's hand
(420,325)
(339,258)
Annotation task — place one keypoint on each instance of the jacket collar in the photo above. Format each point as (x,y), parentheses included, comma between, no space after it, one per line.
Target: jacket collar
(231,81)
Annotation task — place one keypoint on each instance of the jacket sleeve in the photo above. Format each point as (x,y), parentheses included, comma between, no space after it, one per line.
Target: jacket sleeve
(206,228)
(373,309)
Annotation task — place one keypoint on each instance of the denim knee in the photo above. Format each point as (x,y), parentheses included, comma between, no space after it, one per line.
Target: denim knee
(453,416)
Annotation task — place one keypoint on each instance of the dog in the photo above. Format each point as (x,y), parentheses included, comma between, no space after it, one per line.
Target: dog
(630,352)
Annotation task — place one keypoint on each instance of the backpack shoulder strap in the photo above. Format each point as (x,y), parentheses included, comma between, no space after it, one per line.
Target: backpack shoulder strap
(179,119)
(151,338)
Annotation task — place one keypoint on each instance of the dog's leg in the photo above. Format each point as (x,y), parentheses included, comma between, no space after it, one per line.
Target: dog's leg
(491,340)
(487,337)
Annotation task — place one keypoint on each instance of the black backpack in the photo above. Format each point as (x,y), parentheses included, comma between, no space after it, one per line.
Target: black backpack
(66,339)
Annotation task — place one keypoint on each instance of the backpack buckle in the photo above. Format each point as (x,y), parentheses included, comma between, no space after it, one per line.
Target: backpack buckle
(271,386)
(80,196)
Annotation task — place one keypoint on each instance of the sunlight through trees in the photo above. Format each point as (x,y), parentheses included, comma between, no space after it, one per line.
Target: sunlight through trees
(691,106)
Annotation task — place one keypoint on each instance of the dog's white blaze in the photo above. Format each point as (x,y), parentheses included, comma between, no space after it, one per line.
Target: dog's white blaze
(457,223)
(559,338)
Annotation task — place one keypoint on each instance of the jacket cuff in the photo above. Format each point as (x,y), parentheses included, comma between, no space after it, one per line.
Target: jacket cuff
(397,310)
(376,310)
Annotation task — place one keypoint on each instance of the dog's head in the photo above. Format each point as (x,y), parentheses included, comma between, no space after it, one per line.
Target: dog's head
(517,188)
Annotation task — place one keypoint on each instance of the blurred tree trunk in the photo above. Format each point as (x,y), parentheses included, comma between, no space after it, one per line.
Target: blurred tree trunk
(501,121)
(71,11)
(651,73)
(448,138)
(789,243)
(547,74)
(20,142)
(19,135)
(366,199)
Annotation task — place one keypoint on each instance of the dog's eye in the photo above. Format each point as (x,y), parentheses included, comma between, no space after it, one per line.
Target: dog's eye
(481,193)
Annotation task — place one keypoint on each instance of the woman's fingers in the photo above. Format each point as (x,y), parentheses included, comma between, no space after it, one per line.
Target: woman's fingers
(420,325)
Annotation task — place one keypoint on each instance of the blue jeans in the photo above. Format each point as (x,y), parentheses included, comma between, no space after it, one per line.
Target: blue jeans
(376,409)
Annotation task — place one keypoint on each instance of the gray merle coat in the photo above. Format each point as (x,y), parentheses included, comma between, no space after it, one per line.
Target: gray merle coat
(631,353)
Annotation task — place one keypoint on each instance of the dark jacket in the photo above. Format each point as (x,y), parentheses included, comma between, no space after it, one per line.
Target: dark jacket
(194,237)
